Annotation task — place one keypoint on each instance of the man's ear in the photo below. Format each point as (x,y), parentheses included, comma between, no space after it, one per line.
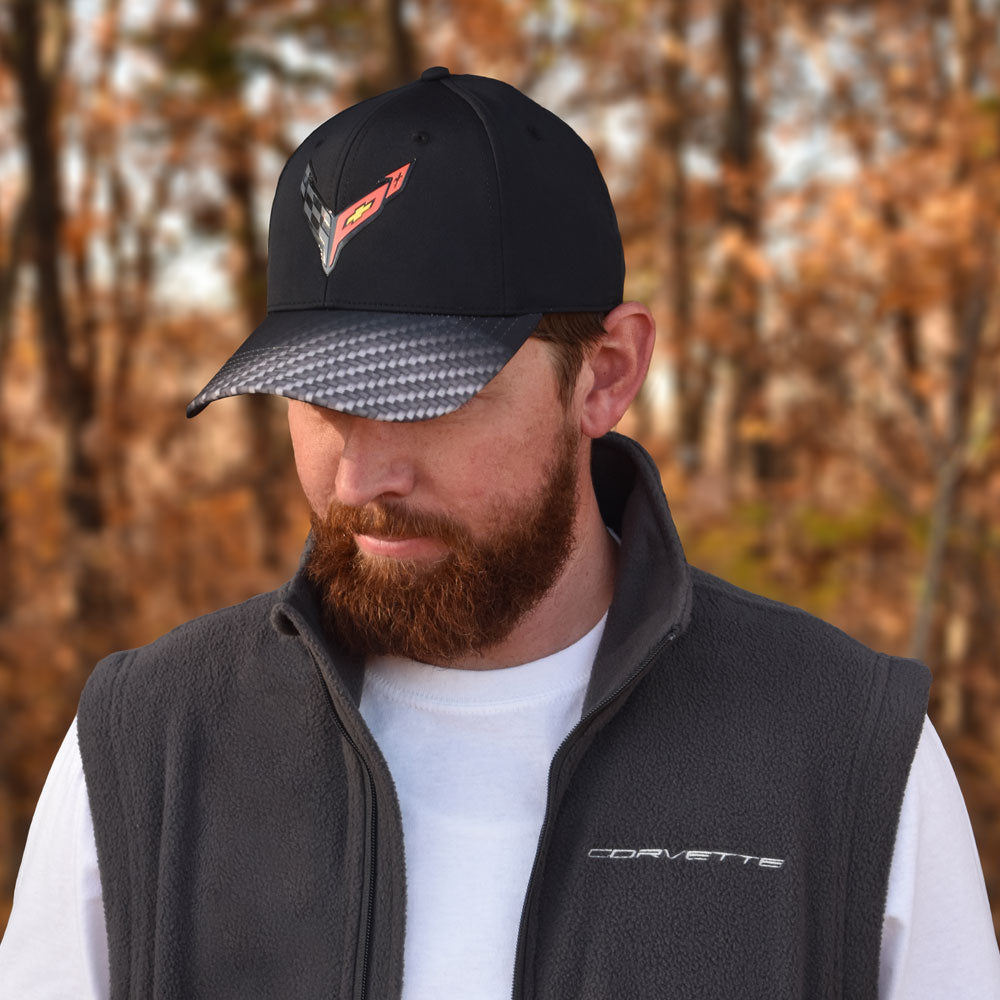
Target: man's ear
(617,367)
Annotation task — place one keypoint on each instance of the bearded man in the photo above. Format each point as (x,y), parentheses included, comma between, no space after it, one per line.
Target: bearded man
(496,734)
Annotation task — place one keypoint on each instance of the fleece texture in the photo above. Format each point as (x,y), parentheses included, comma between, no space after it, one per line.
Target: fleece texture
(720,824)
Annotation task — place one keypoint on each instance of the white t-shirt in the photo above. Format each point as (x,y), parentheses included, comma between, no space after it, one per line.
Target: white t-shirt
(469,754)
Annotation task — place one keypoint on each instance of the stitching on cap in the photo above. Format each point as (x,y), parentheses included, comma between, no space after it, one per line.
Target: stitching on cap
(480,113)
(359,129)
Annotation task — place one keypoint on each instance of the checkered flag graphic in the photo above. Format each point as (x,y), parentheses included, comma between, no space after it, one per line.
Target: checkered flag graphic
(319,216)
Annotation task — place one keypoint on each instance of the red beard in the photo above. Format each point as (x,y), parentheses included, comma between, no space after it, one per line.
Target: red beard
(464,603)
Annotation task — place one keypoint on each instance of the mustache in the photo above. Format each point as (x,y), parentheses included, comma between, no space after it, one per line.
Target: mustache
(391,520)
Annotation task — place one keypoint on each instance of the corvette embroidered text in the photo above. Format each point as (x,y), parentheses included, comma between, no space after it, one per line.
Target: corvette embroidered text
(665,854)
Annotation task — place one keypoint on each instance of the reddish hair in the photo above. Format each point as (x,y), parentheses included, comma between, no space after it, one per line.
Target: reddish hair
(570,336)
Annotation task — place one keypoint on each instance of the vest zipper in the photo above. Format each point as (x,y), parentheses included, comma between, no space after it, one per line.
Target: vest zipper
(371,840)
(371,819)
(522,934)
(368,886)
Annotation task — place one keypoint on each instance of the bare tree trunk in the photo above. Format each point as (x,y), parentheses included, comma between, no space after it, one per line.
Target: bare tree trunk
(392,47)
(130,298)
(971,297)
(8,289)
(694,363)
(45,217)
(130,294)
(70,370)
(739,212)
(971,307)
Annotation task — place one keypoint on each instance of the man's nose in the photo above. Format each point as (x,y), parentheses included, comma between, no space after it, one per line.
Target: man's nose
(373,463)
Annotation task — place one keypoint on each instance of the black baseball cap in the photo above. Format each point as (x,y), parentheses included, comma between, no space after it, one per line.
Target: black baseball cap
(415,241)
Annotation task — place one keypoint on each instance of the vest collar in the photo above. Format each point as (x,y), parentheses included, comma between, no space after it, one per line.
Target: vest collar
(653,591)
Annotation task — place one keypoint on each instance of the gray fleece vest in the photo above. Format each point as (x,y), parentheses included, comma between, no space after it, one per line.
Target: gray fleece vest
(720,824)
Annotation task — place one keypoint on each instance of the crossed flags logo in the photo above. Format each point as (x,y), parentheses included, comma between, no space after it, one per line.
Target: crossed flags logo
(333,231)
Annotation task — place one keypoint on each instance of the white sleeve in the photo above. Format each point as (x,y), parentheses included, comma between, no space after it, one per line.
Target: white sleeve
(56,944)
(937,935)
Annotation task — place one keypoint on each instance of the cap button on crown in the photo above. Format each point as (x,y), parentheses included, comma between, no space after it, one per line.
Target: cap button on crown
(435,73)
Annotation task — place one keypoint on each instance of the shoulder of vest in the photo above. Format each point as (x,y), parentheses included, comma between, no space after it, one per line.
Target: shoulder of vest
(783,631)
(741,603)
(186,663)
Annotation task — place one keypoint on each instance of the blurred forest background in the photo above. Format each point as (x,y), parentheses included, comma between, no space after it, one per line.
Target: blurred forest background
(809,195)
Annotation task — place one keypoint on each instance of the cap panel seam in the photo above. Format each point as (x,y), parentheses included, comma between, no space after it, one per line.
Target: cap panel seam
(452,84)
(355,137)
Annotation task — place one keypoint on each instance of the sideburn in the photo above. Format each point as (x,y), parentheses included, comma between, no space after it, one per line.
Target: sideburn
(462,604)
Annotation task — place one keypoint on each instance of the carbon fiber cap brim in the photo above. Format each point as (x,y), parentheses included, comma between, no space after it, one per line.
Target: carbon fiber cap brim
(386,366)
